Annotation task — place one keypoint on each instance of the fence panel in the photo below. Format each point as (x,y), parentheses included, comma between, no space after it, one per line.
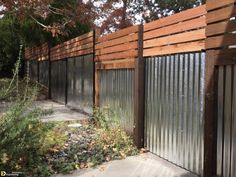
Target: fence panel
(80,83)
(44,73)
(116,93)
(174,108)
(58,80)
(33,70)
(226,131)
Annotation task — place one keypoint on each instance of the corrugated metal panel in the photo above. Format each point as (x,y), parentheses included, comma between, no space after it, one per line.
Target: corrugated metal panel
(174,109)
(117,93)
(33,70)
(226,136)
(80,83)
(43,72)
(58,80)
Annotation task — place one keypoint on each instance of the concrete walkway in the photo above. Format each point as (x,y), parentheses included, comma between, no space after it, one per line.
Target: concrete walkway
(144,165)
(60,112)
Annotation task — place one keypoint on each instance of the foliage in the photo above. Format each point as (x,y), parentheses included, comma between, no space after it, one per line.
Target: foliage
(92,144)
(14,32)
(54,16)
(23,134)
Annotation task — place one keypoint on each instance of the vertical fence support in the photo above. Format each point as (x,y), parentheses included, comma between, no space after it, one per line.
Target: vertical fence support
(96,80)
(66,85)
(210,125)
(97,88)
(38,70)
(139,93)
(49,72)
(94,69)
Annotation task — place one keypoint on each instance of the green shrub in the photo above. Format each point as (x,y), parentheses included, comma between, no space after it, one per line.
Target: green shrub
(24,138)
(112,141)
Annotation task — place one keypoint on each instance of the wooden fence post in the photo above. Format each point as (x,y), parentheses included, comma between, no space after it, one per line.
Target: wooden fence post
(66,85)
(96,80)
(49,72)
(38,70)
(94,68)
(139,93)
(210,116)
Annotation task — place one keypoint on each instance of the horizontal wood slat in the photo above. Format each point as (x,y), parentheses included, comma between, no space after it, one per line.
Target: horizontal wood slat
(220,41)
(178,38)
(118,64)
(37,53)
(78,46)
(174,34)
(214,4)
(225,56)
(176,18)
(118,45)
(177,28)
(121,40)
(220,28)
(118,34)
(69,49)
(174,49)
(221,14)
(120,55)
(72,54)
(118,48)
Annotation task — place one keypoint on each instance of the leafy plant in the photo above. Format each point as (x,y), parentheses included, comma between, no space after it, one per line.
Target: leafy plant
(23,134)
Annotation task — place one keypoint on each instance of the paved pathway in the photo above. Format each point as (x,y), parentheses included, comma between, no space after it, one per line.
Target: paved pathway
(60,112)
(144,165)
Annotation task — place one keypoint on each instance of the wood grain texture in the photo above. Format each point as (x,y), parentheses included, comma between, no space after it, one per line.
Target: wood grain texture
(177,38)
(114,42)
(97,88)
(118,34)
(221,14)
(117,64)
(176,28)
(174,49)
(221,27)
(214,4)
(120,55)
(118,48)
(220,41)
(176,18)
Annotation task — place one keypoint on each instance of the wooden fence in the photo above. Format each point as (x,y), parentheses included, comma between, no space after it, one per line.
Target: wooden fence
(191,47)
